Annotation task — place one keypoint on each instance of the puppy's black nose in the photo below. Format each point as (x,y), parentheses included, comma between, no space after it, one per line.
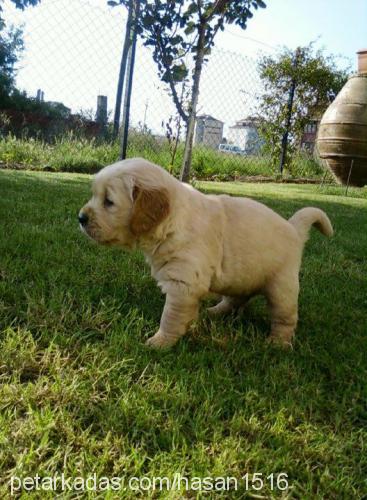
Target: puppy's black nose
(83,219)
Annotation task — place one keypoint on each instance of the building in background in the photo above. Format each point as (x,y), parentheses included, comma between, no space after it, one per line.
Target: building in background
(245,134)
(308,139)
(209,131)
(40,97)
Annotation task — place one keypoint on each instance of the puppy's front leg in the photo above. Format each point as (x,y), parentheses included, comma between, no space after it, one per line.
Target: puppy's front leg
(179,310)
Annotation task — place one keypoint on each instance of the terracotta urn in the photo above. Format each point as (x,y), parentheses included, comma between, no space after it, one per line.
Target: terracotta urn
(342,135)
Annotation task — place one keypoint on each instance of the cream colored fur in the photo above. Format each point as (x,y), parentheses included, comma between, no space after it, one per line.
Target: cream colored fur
(197,243)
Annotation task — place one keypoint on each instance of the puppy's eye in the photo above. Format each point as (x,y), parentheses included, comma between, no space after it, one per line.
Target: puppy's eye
(107,202)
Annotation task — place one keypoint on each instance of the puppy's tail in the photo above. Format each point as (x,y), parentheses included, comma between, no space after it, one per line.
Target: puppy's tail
(303,219)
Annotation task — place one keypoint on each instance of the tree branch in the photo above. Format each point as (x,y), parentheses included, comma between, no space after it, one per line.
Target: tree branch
(219,6)
(171,83)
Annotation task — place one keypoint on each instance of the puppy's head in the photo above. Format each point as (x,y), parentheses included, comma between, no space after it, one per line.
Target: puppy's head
(122,208)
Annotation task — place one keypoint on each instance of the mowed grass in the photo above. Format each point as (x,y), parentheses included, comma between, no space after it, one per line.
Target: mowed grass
(80,394)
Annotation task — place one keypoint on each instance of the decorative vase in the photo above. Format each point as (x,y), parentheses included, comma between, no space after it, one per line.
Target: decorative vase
(342,136)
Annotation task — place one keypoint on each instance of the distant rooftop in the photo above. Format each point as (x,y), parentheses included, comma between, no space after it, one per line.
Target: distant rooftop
(208,117)
(245,122)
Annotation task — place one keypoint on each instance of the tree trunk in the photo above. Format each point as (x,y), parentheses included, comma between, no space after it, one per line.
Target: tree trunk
(123,64)
(186,164)
(289,113)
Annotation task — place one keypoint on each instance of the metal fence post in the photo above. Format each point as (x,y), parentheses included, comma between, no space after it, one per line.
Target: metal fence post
(130,73)
(122,72)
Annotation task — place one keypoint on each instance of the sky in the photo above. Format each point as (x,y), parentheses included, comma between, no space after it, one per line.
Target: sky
(339,25)
(73,50)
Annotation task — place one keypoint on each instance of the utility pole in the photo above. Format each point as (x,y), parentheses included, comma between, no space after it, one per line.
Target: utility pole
(289,112)
(101,115)
(130,73)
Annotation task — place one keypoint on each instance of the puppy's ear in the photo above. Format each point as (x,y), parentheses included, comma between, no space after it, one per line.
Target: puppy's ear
(150,208)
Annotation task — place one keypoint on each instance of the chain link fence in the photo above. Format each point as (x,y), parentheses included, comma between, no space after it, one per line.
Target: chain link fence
(71,62)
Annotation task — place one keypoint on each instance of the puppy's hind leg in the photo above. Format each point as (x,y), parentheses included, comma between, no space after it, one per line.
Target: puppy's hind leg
(283,301)
(226,305)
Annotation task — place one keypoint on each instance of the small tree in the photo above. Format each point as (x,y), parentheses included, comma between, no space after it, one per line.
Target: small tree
(315,79)
(22,4)
(11,46)
(173,126)
(178,29)
(19,4)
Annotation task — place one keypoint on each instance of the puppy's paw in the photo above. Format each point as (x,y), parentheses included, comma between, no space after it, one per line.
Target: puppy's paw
(279,342)
(213,311)
(228,305)
(160,341)
(219,310)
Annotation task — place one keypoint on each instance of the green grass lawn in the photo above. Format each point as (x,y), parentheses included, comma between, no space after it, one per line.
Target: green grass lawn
(80,393)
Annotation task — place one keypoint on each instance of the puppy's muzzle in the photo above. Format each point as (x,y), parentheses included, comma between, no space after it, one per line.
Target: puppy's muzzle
(83,219)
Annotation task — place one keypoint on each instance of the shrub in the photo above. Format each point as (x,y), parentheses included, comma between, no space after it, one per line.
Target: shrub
(71,153)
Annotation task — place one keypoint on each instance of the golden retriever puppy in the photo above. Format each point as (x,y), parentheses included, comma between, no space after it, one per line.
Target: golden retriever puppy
(196,244)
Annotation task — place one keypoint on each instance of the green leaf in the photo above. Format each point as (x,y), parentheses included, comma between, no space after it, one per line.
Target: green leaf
(147,20)
(179,72)
(192,9)
(261,4)
(190,28)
